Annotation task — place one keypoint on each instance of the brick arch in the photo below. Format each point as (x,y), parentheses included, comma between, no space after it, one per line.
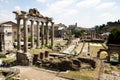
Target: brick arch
(99,52)
(110,52)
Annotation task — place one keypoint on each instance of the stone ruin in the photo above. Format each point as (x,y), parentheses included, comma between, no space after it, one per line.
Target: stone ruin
(24,58)
(60,64)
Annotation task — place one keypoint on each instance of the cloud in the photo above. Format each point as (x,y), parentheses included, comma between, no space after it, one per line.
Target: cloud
(107,17)
(6,15)
(17,8)
(41,1)
(106,5)
(6,1)
(87,3)
(61,10)
(58,7)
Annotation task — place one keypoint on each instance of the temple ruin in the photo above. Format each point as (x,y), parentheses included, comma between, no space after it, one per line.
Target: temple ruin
(42,22)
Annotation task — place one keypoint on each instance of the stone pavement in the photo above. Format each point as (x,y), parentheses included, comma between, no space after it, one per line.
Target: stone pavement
(110,77)
(33,73)
(71,47)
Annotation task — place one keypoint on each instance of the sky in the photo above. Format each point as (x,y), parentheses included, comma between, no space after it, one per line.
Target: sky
(87,13)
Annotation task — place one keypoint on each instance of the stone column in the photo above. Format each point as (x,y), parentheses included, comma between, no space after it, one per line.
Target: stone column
(119,57)
(47,34)
(32,34)
(25,35)
(52,34)
(42,33)
(38,35)
(108,58)
(18,34)
(46,54)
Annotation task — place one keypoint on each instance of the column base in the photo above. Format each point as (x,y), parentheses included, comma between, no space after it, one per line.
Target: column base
(24,58)
(33,47)
(42,46)
(37,47)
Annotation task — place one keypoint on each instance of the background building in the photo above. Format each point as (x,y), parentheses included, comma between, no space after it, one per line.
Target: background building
(6,39)
(60,30)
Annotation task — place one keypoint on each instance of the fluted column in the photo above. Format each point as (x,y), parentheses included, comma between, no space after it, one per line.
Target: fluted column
(25,35)
(18,35)
(42,33)
(52,34)
(32,34)
(38,35)
(47,34)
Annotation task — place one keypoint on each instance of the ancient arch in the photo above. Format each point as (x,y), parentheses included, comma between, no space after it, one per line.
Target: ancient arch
(114,56)
(99,52)
(113,48)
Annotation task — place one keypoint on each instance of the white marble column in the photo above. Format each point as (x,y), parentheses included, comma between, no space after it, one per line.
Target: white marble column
(25,35)
(47,34)
(42,33)
(18,34)
(38,35)
(52,34)
(32,34)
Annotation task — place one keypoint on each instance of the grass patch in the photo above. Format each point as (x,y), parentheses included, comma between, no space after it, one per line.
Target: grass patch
(37,51)
(2,55)
(94,50)
(77,75)
(9,60)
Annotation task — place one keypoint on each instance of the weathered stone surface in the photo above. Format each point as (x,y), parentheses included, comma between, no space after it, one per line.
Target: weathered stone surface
(46,54)
(41,55)
(76,62)
(23,59)
(90,61)
(35,58)
(65,65)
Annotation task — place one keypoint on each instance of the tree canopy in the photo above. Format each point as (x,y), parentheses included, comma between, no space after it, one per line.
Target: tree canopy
(114,37)
(78,32)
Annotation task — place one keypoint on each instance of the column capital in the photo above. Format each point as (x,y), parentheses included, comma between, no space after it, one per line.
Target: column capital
(31,21)
(18,18)
(25,17)
(37,22)
(47,22)
(42,22)
(52,23)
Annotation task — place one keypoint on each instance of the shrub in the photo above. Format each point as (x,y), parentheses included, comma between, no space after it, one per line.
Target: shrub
(2,56)
(49,46)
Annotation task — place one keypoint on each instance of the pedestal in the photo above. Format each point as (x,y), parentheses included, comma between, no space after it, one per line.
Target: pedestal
(24,59)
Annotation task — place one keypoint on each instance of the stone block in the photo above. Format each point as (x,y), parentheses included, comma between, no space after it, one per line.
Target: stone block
(23,59)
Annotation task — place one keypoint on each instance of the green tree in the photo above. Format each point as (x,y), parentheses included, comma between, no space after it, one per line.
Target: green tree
(114,37)
(97,27)
(76,32)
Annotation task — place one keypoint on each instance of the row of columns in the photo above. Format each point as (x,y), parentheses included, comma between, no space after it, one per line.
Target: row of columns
(43,34)
(32,33)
